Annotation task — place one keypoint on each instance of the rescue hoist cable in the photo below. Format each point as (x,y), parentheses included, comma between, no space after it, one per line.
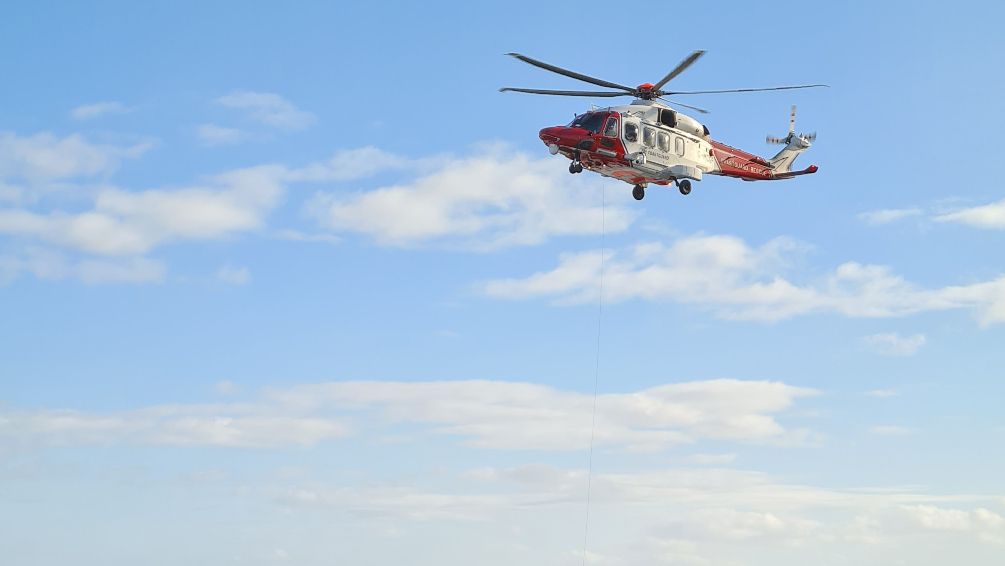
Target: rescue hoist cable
(596,371)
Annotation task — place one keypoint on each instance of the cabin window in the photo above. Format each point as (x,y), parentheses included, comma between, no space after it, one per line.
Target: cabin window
(679,146)
(631,132)
(649,136)
(611,129)
(663,141)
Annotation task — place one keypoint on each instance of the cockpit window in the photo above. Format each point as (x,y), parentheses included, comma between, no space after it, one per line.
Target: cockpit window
(611,129)
(590,121)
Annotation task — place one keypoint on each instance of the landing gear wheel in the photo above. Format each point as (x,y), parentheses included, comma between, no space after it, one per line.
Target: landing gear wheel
(575,167)
(639,192)
(684,187)
(579,168)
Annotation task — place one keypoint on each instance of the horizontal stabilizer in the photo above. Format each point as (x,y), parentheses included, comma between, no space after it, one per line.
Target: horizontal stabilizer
(790,174)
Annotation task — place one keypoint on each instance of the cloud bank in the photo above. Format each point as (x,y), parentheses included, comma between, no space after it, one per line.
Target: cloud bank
(736,280)
(494,415)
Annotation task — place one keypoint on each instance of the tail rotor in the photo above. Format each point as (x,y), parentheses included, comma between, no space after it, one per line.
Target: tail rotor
(806,139)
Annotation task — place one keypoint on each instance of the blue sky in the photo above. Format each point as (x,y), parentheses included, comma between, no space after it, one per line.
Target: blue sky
(299,286)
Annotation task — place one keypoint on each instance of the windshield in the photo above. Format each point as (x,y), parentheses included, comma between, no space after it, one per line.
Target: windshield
(590,121)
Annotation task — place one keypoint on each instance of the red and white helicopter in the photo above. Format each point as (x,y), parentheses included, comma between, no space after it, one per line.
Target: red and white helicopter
(647,142)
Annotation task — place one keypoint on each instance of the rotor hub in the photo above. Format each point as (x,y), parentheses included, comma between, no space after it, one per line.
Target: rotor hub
(645,91)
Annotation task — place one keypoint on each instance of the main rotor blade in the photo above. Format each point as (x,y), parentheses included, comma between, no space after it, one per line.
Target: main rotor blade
(675,93)
(695,108)
(679,69)
(604,93)
(570,74)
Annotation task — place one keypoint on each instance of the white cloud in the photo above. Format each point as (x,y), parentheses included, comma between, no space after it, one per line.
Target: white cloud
(173,425)
(484,414)
(298,236)
(882,393)
(893,344)
(700,510)
(989,216)
(891,430)
(590,557)
(42,263)
(359,163)
(10,193)
(487,201)
(938,519)
(45,157)
(50,265)
(269,109)
(886,216)
(735,280)
(134,222)
(926,519)
(117,222)
(400,502)
(517,201)
(233,275)
(131,270)
(711,459)
(524,416)
(89,111)
(212,134)
(737,525)
(674,551)
(226,387)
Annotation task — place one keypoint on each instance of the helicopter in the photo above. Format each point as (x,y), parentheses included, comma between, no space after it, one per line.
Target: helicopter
(649,143)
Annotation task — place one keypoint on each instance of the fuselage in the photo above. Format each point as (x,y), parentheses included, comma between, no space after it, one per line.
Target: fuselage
(649,143)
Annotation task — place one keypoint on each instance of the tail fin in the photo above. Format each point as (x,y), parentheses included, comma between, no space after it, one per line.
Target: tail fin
(794,145)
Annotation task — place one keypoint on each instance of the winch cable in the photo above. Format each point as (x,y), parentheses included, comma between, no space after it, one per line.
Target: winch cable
(596,371)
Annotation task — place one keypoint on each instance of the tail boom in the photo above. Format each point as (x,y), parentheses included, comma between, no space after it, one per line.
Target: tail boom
(733,162)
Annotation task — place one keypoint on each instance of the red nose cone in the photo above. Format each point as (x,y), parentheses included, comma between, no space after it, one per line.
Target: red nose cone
(562,136)
(551,135)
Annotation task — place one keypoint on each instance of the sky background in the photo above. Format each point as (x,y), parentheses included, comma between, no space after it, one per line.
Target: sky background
(297,285)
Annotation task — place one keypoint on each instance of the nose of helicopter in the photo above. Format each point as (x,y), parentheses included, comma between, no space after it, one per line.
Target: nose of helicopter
(552,135)
(562,136)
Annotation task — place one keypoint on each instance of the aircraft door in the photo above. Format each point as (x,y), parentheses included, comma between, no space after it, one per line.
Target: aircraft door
(610,132)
